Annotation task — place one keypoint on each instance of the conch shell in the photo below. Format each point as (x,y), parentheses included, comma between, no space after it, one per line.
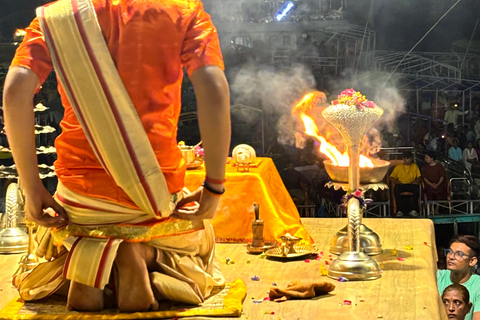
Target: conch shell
(244,154)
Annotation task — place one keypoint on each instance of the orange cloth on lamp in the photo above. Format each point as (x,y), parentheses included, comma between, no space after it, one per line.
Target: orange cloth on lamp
(235,214)
(152,77)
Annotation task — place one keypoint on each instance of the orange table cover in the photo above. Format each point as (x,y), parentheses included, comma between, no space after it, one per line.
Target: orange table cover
(262,185)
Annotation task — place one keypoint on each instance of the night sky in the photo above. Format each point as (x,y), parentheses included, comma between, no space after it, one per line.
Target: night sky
(399,24)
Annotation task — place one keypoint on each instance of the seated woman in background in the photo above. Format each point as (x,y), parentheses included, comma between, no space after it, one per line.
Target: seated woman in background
(455,152)
(456,300)
(470,157)
(434,178)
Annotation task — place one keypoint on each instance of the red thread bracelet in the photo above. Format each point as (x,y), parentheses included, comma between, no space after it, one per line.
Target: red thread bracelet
(215,181)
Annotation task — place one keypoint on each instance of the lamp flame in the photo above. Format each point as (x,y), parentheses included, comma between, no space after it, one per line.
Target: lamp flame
(305,106)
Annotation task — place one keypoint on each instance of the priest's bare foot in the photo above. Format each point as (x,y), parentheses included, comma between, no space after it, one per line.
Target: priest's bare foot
(84,298)
(134,289)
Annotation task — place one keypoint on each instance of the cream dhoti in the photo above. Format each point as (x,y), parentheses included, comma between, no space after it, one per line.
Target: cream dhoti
(187,249)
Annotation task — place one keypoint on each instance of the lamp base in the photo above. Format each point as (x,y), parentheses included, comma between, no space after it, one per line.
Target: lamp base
(369,241)
(13,240)
(354,266)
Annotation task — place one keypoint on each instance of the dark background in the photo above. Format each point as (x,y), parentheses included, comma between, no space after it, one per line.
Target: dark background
(399,24)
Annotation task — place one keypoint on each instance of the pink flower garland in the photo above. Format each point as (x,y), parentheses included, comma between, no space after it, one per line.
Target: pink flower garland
(351,97)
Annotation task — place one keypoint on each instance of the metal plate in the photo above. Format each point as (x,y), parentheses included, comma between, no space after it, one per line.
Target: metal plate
(300,251)
(198,162)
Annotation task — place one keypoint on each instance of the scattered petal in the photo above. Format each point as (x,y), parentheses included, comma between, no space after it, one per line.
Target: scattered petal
(323,271)
(266,299)
(401,259)
(362,300)
(342,279)
(307,260)
(409,248)
(347,302)
(321,252)
(255,278)
(327,263)
(427,244)
(257,301)
(274,284)
(394,252)
(263,256)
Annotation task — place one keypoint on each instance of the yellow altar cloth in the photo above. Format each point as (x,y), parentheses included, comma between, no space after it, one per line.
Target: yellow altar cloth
(262,185)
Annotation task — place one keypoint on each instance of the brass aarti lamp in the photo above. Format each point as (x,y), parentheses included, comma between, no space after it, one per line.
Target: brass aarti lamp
(13,239)
(353,121)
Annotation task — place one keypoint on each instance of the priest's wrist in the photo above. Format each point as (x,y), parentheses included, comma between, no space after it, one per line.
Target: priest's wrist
(214,189)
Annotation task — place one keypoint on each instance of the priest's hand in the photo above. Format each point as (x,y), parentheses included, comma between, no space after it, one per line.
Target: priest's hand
(41,208)
(204,208)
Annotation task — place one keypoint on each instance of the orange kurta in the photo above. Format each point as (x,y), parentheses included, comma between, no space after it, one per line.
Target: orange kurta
(177,33)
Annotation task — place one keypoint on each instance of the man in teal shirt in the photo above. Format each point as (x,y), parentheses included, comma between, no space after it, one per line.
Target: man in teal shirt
(462,256)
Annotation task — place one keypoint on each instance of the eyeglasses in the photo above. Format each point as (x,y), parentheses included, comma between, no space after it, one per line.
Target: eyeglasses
(459,255)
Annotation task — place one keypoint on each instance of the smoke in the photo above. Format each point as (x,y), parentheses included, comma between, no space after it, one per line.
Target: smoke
(273,91)
(276,92)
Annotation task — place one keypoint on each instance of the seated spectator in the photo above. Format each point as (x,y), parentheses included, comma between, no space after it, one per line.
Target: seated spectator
(476,128)
(434,142)
(462,256)
(425,105)
(296,184)
(420,131)
(434,178)
(437,109)
(471,135)
(456,300)
(454,152)
(470,157)
(406,178)
(478,148)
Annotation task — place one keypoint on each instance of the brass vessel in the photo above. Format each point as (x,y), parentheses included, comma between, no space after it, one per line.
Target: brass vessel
(12,238)
(369,241)
(367,174)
